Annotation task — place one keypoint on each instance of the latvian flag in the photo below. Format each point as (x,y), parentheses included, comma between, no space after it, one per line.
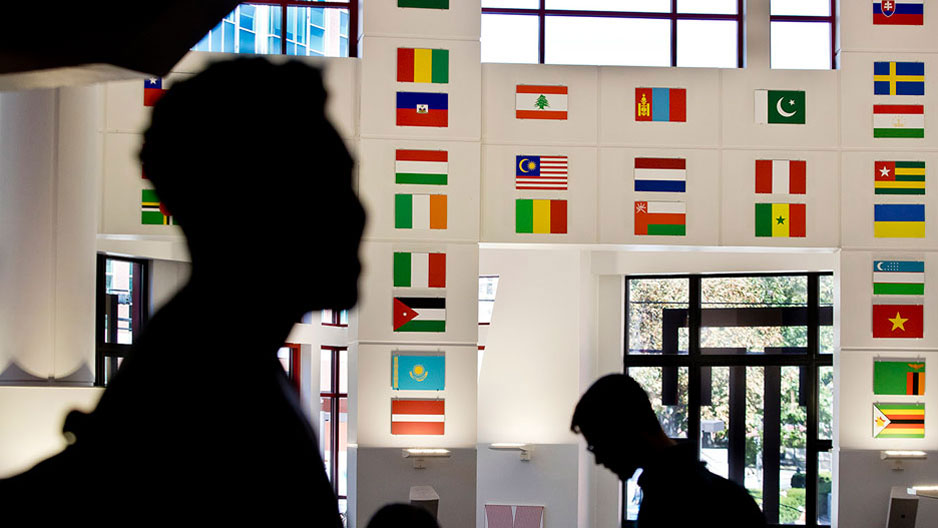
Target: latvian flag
(902,13)
(660,218)
(781,176)
(419,270)
(421,167)
(898,121)
(541,172)
(660,174)
(418,417)
(419,314)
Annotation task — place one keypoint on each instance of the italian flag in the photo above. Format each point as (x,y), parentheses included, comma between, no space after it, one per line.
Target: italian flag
(419,270)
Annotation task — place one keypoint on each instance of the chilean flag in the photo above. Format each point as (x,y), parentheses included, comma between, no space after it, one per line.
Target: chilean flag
(904,13)
(152,90)
(422,109)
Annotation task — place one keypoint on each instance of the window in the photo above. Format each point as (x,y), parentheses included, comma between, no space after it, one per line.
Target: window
(325,30)
(121,311)
(741,366)
(488,285)
(334,317)
(333,433)
(614,32)
(289,357)
(803,33)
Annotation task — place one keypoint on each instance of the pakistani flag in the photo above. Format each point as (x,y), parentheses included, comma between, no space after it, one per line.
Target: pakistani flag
(780,107)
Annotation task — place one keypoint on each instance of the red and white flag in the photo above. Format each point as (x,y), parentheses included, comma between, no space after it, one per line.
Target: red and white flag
(417,417)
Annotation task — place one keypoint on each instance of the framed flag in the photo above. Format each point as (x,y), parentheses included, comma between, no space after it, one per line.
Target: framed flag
(780,107)
(418,417)
(899,277)
(421,167)
(661,104)
(412,371)
(898,420)
(900,321)
(895,378)
(419,314)
(547,173)
(660,175)
(540,102)
(419,270)
(899,177)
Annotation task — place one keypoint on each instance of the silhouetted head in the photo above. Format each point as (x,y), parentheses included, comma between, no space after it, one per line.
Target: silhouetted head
(617,421)
(402,515)
(245,160)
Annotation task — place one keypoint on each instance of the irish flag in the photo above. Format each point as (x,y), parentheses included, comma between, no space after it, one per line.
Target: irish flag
(421,167)
(420,211)
(898,121)
(419,270)
(660,218)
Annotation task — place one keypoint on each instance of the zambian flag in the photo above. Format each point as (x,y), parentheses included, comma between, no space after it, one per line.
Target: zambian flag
(898,420)
(899,378)
(152,212)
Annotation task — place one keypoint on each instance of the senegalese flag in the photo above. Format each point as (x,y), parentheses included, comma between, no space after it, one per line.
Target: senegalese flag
(899,177)
(422,65)
(420,211)
(899,220)
(898,277)
(541,216)
(780,220)
(419,314)
(898,420)
(421,167)
(898,78)
(152,211)
(899,378)
(419,270)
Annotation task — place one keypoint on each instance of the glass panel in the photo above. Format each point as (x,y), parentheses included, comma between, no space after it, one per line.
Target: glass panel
(509,38)
(325,370)
(343,511)
(647,6)
(317,31)
(718,7)
(343,317)
(488,285)
(707,43)
(283,354)
(801,45)
(119,280)
(612,41)
(258,31)
(801,7)
(633,497)
(516,4)
(794,438)
(657,316)
(755,429)
(715,420)
(826,300)
(343,446)
(824,488)
(826,403)
(343,371)
(671,408)
(325,433)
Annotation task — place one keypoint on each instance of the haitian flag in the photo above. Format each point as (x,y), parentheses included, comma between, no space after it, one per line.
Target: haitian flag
(898,321)
(661,104)
(152,90)
(422,109)
(902,13)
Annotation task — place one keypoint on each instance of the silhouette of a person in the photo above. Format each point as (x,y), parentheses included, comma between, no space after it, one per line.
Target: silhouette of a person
(621,430)
(200,418)
(399,515)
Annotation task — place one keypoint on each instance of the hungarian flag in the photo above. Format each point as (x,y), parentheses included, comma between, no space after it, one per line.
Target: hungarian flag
(899,177)
(419,270)
(898,78)
(901,13)
(780,220)
(547,173)
(899,378)
(420,211)
(152,211)
(898,420)
(418,417)
(426,4)
(421,65)
(540,102)
(899,220)
(152,90)
(898,277)
(781,176)
(419,314)
(660,174)
(541,216)
(898,121)
(660,218)
(421,167)
(661,104)
(780,107)
(428,109)
(898,321)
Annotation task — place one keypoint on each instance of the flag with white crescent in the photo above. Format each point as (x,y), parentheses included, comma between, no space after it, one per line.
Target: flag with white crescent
(780,107)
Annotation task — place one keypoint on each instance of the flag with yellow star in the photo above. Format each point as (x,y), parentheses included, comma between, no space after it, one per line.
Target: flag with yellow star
(898,420)
(898,321)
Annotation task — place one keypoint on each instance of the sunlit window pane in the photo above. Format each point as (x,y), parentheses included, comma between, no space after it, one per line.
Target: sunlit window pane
(801,45)
(801,7)
(706,43)
(613,41)
(516,4)
(717,7)
(648,6)
(509,38)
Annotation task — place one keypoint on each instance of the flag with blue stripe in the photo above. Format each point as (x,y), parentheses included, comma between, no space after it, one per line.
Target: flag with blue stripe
(898,78)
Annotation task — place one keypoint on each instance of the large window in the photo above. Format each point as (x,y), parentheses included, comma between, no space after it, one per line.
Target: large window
(703,33)
(325,30)
(803,34)
(121,311)
(741,367)
(333,420)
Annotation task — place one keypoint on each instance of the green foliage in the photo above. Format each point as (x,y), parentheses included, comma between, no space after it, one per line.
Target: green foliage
(798,480)
(791,506)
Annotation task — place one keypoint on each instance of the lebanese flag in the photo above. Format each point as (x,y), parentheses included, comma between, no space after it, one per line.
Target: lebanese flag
(418,417)
(898,321)
(781,176)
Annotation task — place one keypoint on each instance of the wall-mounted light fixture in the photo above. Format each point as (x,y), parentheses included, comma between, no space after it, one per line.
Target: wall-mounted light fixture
(924,491)
(897,456)
(525,449)
(421,453)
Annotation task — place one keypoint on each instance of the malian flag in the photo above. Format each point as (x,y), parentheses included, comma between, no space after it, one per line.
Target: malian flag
(661,104)
(898,420)
(418,417)
(899,177)
(660,174)
(541,216)
(419,314)
(152,90)
(429,109)
(420,211)
(901,13)
(419,270)
(421,167)
(547,173)
(660,218)
(781,176)
(905,378)
(898,121)
(540,102)
(780,220)
(898,321)
(152,211)
(421,65)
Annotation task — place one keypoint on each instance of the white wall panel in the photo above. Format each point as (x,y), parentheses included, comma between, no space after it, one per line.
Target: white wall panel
(461,21)
(858,33)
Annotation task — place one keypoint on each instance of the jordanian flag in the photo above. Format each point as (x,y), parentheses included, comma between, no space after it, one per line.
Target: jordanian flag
(421,167)
(899,177)
(419,314)
(898,420)
(898,277)
(899,378)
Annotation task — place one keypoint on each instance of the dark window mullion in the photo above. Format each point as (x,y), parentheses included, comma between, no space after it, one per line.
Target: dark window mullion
(693,352)
(771,441)
(673,33)
(811,450)
(541,32)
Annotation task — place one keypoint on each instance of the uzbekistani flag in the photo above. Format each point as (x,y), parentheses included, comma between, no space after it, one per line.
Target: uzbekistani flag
(899,177)
(898,321)
(780,106)
(421,65)
(898,78)
(660,218)
(899,378)
(419,270)
(780,220)
(418,372)
(422,109)
(152,90)
(417,417)
(548,173)
(541,216)
(899,220)
(421,167)
(419,314)
(420,211)
(898,277)
(781,176)
(661,104)
(898,420)
(152,211)
(898,121)
(540,102)
(901,13)
(660,174)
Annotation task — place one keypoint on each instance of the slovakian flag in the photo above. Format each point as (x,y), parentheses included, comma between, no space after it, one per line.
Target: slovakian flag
(421,65)
(421,167)
(541,216)
(899,378)
(660,175)
(429,109)
(152,90)
(781,176)
(661,104)
(898,277)
(898,321)
(417,417)
(418,372)
(540,102)
(547,173)
(898,420)
(152,211)
(660,218)
(901,13)
(419,270)
(898,121)
(780,220)
(898,78)
(899,220)
(419,314)
(420,211)
(899,177)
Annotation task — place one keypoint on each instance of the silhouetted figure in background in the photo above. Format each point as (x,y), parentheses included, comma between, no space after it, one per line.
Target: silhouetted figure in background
(402,515)
(621,430)
(200,420)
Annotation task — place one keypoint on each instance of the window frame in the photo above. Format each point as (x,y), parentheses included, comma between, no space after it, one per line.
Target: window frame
(811,362)
(830,19)
(334,394)
(140,314)
(541,12)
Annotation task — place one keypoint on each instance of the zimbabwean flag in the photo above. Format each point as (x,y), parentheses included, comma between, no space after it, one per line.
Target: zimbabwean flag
(898,420)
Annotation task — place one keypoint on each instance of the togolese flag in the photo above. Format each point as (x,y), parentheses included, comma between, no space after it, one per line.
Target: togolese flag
(898,321)
(899,220)
(417,417)
(420,211)
(541,216)
(152,211)
(898,420)
(426,4)
(899,177)
(540,102)
(899,378)
(780,107)
(661,104)
(421,65)
(898,78)
(419,270)
(419,314)
(781,176)
(660,218)
(418,372)
(898,277)
(421,167)
(780,220)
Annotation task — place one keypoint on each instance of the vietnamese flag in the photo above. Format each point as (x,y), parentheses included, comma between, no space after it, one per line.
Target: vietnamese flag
(898,321)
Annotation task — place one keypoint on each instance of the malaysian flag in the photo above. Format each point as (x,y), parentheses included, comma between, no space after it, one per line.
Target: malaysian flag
(541,172)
